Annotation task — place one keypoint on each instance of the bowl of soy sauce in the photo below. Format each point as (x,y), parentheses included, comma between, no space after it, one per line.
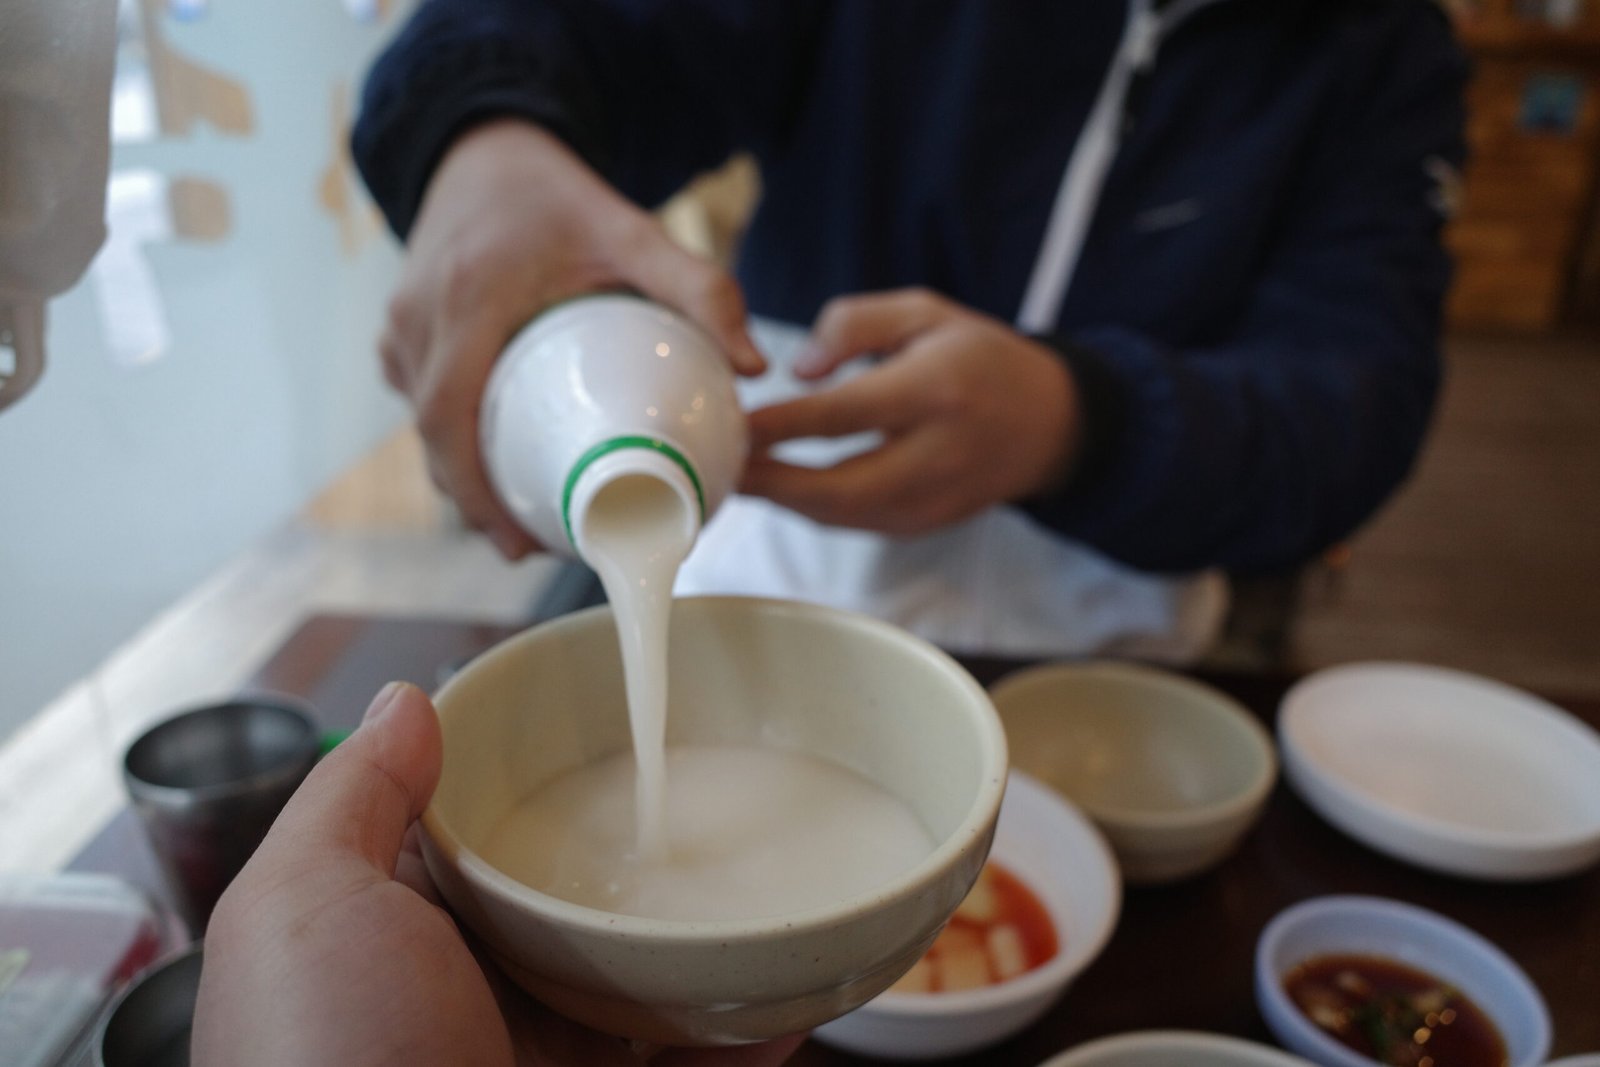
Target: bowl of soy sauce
(1351,981)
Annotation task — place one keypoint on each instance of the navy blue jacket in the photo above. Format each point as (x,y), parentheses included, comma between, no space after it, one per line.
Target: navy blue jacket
(1255,310)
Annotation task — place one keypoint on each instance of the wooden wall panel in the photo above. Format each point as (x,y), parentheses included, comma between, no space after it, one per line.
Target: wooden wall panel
(1529,193)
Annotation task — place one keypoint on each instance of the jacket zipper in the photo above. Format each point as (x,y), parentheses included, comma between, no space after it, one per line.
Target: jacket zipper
(1084,179)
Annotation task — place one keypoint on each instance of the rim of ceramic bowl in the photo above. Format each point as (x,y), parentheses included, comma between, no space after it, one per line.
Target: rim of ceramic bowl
(1330,1051)
(1056,971)
(977,825)
(1453,833)
(1249,1052)
(1213,701)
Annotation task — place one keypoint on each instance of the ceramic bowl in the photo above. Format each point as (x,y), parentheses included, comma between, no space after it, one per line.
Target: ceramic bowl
(1446,770)
(1058,854)
(1173,1048)
(1404,933)
(743,671)
(1172,771)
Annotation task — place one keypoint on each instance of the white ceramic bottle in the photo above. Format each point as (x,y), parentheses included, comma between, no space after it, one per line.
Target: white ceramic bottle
(601,387)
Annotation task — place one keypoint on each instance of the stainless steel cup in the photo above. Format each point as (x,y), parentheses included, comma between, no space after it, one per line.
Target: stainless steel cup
(207,785)
(148,1025)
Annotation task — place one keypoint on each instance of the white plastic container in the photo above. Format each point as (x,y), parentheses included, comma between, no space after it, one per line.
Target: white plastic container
(68,943)
(601,387)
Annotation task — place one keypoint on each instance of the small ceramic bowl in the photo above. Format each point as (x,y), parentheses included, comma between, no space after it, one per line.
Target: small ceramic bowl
(1404,933)
(1058,854)
(1173,1048)
(1172,771)
(849,689)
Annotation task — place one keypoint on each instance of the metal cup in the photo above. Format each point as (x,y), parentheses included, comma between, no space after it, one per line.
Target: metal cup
(149,1024)
(207,785)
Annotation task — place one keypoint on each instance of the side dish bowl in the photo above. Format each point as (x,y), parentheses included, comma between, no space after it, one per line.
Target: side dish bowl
(1059,855)
(1404,934)
(1172,771)
(1445,770)
(1173,1048)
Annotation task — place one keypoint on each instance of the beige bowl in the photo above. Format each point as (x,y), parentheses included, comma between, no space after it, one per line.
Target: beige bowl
(1172,771)
(847,688)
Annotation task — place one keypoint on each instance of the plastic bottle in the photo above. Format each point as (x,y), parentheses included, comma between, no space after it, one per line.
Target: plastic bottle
(600,387)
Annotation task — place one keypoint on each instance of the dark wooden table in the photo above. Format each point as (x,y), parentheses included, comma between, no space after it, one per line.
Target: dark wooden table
(1181,956)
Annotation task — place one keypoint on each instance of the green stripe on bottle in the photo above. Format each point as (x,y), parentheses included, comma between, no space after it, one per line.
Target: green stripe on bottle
(617,444)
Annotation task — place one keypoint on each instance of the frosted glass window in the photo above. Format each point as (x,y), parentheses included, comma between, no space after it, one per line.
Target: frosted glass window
(216,365)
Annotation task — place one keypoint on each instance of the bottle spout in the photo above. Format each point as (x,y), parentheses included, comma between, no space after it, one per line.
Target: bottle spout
(644,489)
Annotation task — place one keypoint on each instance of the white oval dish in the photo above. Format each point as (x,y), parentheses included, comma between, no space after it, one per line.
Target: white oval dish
(1404,933)
(1445,770)
(1173,1048)
(1058,854)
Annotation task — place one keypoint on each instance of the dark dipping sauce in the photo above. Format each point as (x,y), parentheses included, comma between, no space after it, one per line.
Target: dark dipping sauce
(1395,1014)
